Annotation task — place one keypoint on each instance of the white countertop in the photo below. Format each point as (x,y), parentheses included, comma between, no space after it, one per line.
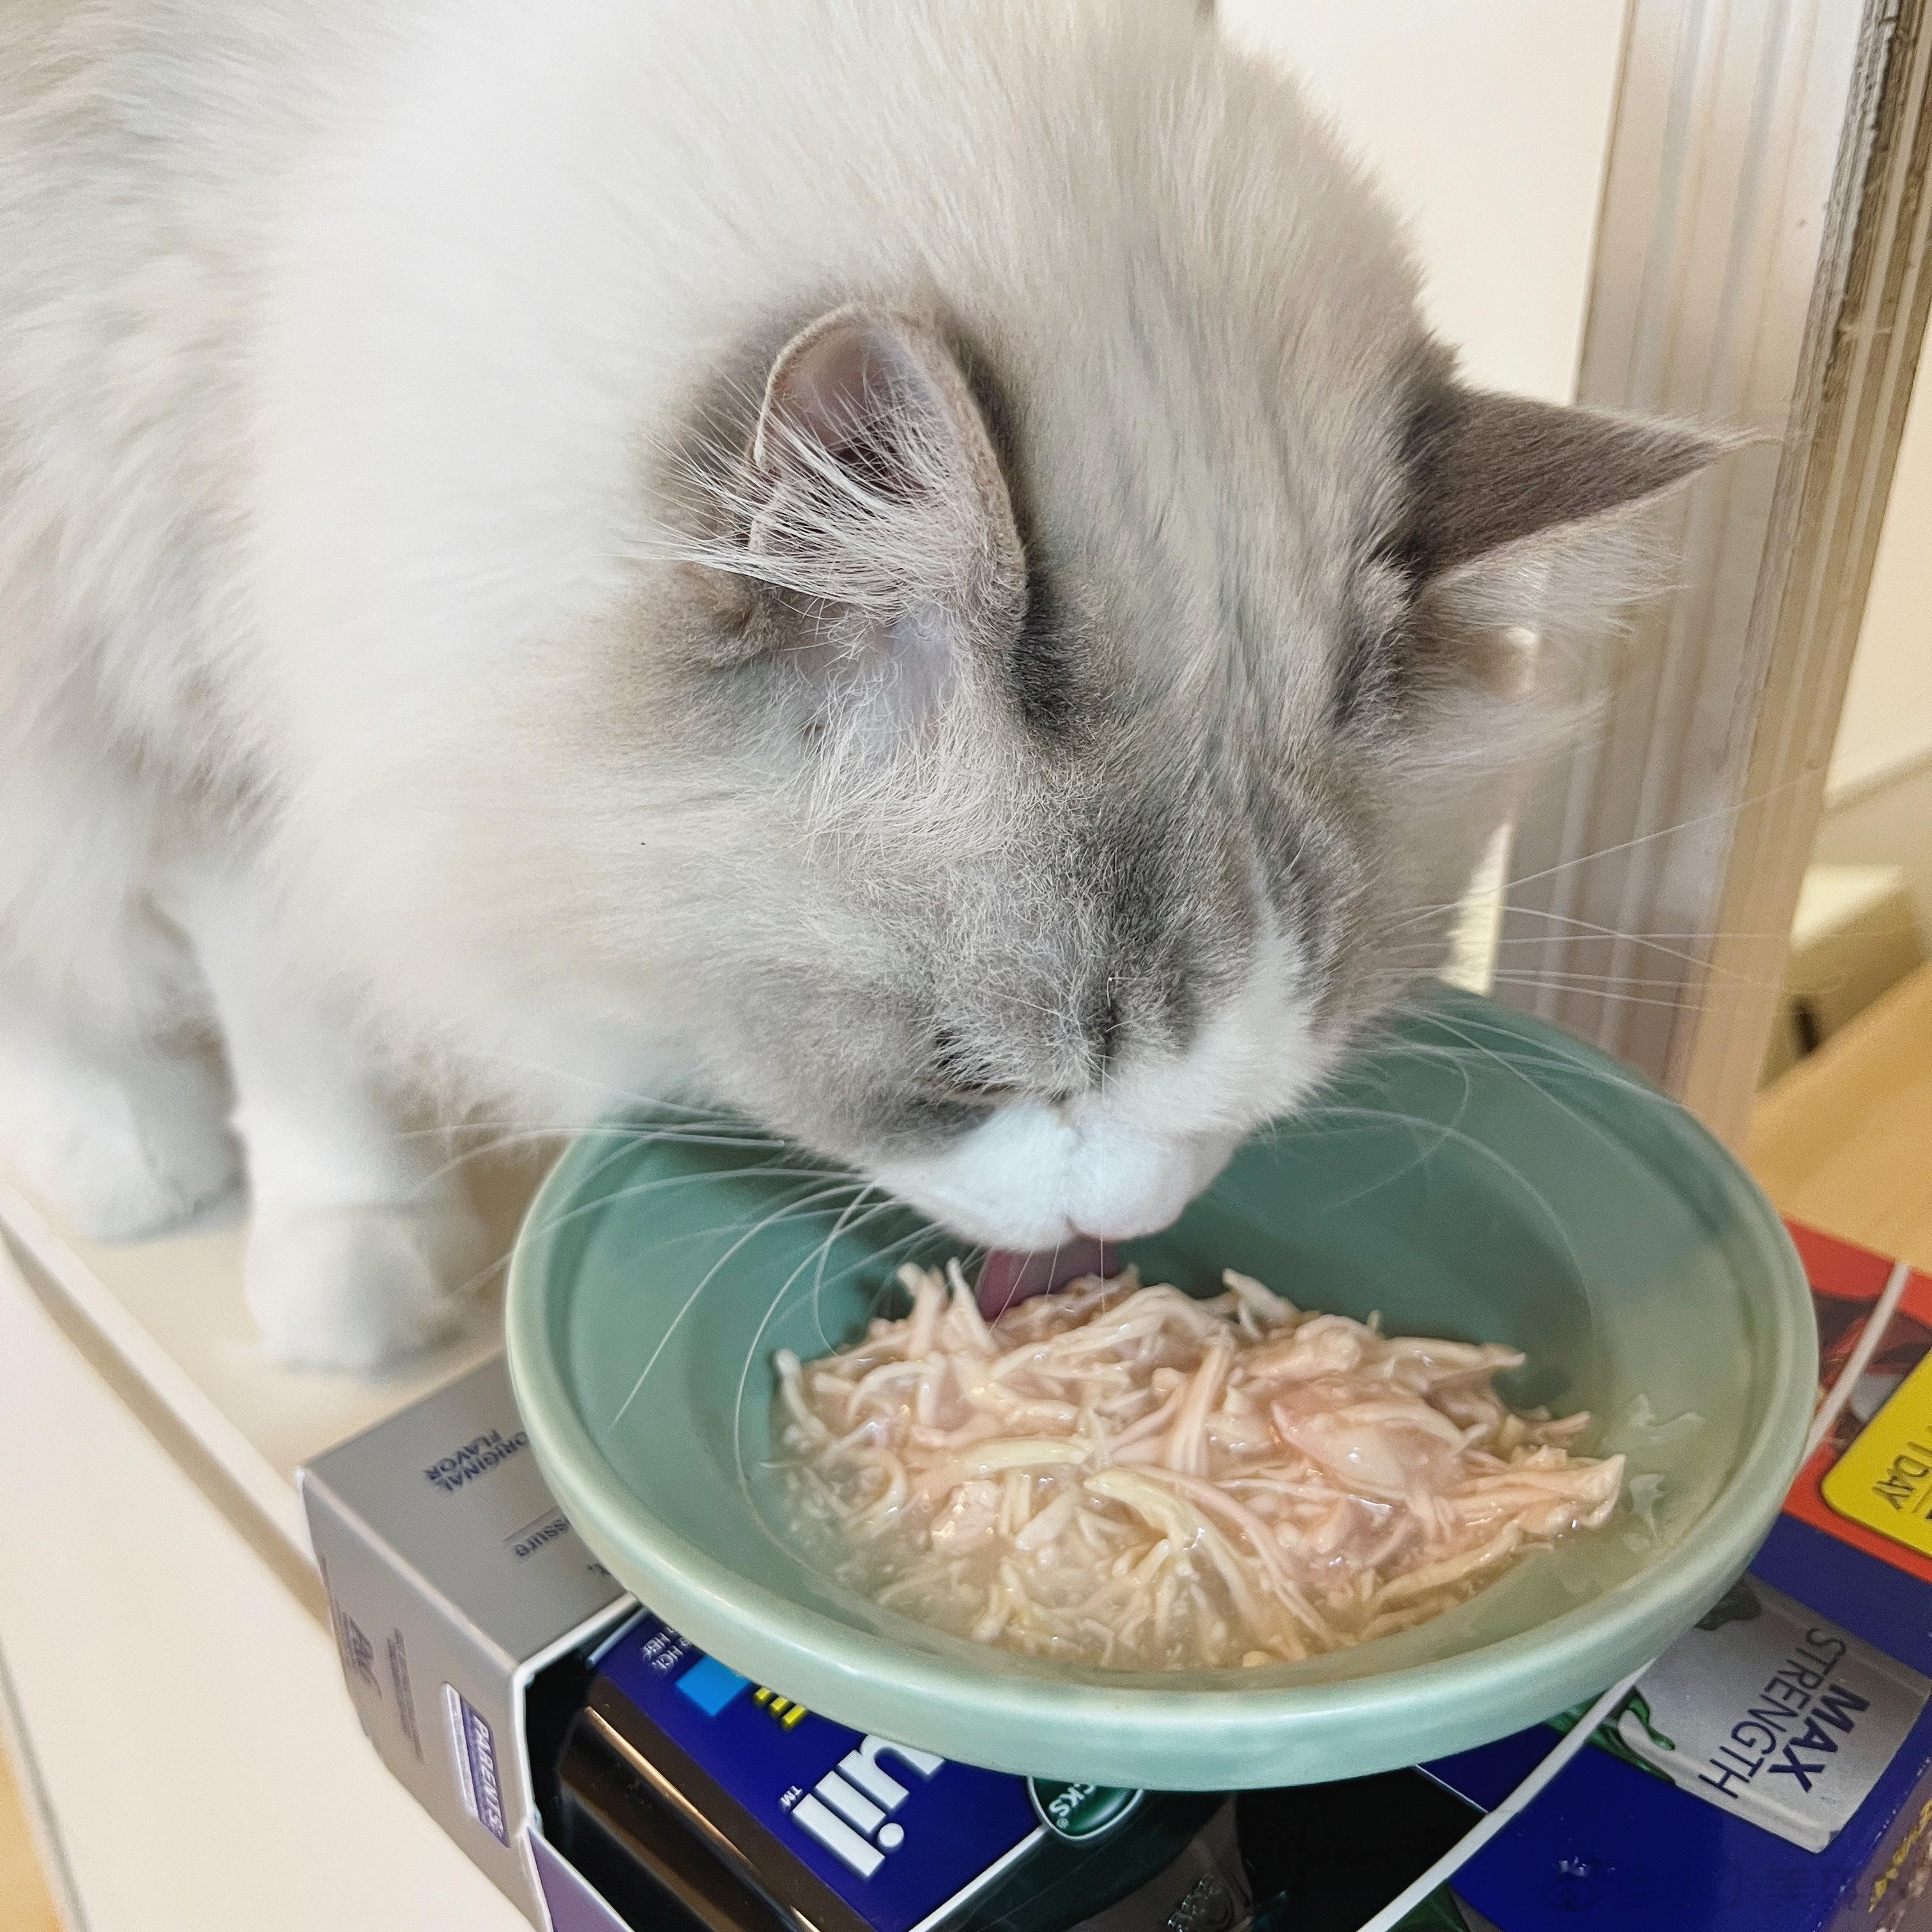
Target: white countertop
(169,1310)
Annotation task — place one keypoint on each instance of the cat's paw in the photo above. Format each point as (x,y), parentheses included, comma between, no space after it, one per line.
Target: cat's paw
(360,1288)
(119,1152)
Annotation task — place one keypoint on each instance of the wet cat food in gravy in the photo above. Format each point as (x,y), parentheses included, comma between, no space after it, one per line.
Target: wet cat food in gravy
(1123,1475)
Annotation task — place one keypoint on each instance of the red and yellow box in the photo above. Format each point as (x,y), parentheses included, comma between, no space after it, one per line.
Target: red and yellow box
(1869,1484)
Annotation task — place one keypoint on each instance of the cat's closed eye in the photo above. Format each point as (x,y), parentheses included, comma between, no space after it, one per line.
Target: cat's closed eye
(961,1092)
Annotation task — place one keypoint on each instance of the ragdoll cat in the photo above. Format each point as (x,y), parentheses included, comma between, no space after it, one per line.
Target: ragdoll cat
(906,567)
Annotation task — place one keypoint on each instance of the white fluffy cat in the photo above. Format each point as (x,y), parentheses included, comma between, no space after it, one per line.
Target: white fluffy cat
(905,566)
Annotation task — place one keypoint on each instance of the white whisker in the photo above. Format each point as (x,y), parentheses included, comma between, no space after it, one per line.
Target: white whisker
(769,1221)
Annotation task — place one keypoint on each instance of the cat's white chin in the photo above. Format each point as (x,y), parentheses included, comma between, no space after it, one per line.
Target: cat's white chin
(1030,1179)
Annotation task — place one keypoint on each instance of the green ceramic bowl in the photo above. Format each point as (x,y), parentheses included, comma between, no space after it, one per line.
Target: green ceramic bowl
(1479,1175)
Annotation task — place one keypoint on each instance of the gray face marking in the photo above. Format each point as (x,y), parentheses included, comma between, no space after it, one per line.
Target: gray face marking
(1367,673)
(1192,522)
(1041,663)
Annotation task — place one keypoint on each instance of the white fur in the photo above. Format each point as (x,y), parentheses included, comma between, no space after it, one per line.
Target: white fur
(340,347)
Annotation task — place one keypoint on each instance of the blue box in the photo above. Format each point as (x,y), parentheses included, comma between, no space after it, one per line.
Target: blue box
(1786,1790)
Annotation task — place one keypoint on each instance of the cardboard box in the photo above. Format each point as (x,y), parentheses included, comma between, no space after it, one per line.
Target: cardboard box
(453,1580)
(1772,1773)
(489,1654)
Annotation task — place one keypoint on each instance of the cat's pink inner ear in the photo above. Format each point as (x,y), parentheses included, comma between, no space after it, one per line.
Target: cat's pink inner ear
(844,386)
(878,486)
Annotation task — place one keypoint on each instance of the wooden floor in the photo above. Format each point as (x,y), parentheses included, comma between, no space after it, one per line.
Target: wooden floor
(1844,1141)
(25,1906)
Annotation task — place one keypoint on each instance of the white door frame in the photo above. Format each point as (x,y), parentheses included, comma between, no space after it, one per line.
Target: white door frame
(1761,261)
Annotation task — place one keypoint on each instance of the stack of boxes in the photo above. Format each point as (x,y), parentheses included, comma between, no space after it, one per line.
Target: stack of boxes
(1772,1772)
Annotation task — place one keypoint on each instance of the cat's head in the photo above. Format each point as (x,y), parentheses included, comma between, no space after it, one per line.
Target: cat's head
(1100,745)
(1067,655)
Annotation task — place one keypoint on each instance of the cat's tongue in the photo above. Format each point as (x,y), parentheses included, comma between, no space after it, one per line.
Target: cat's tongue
(1006,1279)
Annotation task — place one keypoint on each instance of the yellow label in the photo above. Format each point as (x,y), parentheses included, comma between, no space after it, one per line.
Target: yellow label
(1884,1480)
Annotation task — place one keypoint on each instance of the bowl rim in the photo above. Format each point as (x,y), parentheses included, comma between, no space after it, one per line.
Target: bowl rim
(1233,1733)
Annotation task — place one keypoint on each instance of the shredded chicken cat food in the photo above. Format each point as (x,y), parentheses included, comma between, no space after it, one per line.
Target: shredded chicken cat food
(1122,1475)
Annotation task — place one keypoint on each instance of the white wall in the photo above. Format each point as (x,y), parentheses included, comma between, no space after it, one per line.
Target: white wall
(1878,801)
(1488,121)
(1886,727)
(1888,823)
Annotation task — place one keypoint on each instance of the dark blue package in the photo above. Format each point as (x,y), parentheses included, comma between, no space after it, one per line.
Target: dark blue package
(899,1834)
(687,1786)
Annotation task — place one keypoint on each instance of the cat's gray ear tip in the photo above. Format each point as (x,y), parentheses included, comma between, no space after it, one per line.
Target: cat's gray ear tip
(1733,439)
(1703,441)
(1683,448)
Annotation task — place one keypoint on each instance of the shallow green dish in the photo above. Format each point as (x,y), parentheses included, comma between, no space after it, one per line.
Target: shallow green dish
(1479,1175)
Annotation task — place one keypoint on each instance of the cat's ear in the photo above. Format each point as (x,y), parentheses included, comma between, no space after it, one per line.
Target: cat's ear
(1487,470)
(873,491)
(1494,613)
